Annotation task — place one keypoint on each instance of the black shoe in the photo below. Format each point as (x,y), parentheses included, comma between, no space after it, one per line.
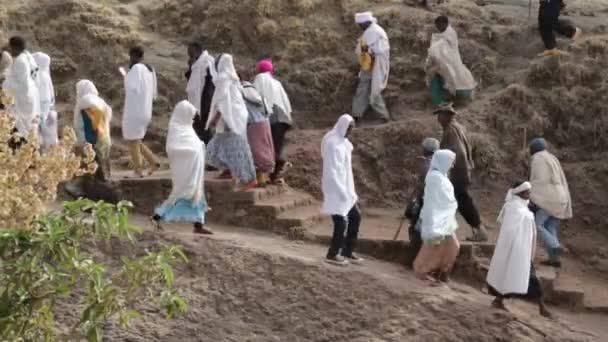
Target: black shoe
(199,228)
(551,263)
(156,219)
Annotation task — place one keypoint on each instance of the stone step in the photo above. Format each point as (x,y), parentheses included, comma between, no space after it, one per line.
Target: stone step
(300,217)
(286,201)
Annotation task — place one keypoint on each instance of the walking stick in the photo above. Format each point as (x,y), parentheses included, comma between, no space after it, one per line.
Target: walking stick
(529,9)
(399,229)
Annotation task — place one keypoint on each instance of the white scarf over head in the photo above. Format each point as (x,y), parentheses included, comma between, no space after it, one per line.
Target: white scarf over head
(140,93)
(438,213)
(196,82)
(274,94)
(22,84)
(228,99)
(45,83)
(445,54)
(87,97)
(510,266)
(186,154)
(338,184)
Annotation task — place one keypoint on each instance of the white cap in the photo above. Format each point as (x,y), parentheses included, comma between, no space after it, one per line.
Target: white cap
(364,17)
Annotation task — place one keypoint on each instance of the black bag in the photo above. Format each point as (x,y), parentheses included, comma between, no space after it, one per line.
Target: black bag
(412,211)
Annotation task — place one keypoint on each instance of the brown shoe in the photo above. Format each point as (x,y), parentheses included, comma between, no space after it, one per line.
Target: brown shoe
(199,228)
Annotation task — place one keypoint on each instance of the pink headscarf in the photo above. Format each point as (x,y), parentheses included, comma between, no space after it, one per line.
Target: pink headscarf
(265,65)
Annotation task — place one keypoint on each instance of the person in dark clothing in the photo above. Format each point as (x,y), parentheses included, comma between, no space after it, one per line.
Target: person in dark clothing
(549,23)
(455,139)
(200,88)
(429,146)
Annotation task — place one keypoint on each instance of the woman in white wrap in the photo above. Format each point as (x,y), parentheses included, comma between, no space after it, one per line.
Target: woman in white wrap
(511,271)
(339,194)
(229,149)
(438,221)
(444,67)
(48,115)
(186,154)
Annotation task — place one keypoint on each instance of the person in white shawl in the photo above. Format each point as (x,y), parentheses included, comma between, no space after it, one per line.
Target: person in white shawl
(438,221)
(339,194)
(186,154)
(48,115)
(446,74)
(229,149)
(373,52)
(140,93)
(21,83)
(200,87)
(6,60)
(279,108)
(511,271)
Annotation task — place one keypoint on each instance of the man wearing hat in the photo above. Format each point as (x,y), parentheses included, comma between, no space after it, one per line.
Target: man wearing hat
(373,52)
(455,139)
(551,198)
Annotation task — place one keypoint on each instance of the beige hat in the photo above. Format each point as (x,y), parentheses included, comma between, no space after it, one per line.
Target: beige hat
(445,107)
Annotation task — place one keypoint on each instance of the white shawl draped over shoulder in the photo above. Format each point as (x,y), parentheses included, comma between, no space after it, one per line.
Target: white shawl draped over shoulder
(377,40)
(186,154)
(274,94)
(87,97)
(510,266)
(228,99)
(22,84)
(438,215)
(140,88)
(337,183)
(196,82)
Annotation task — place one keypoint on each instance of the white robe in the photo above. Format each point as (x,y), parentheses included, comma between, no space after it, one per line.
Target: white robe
(510,266)
(438,214)
(140,88)
(444,53)
(377,41)
(196,82)
(228,99)
(186,154)
(46,90)
(274,94)
(22,84)
(338,183)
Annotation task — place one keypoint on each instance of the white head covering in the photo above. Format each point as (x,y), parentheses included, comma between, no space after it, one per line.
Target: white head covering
(228,98)
(365,17)
(45,83)
(525,186)
(87,96)
(186,154)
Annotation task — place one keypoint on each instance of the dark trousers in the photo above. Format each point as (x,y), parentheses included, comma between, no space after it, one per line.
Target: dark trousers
(279,130)
(350,225)
(549,23)
(415,244)
(466,206)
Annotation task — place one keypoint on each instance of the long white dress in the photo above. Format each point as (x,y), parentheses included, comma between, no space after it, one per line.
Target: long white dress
(140,88)
(46,90)
(337,183)
(22,84)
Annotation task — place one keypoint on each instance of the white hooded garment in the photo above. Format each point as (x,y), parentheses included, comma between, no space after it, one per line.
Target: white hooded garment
(22,84)
(186,154)
(438,215)
(338,183)
(196,82)
(445,54)
(140,88)
(510,267)
(377,41)
(87,97)
(48,115)
(228,99)
(274,94)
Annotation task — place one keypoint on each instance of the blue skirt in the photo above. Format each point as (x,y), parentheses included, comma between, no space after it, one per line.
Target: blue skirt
(183,210)
(231,151)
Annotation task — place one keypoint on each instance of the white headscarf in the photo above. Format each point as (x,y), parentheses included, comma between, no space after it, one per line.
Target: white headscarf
(338,184)
(186,154)
(525,186)
(196,82)
(87,96)
(438,213)
(228,99)
(46,90)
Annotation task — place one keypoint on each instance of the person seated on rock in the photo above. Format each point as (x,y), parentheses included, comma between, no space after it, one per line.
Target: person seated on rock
(259,133)
(549,23)
(339,194)
(423,162)
(438,227)
(447,76)
(186,154)
(550,198)
(46,90)
(228,149)
(280,114)
(373,53)
(511,273)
